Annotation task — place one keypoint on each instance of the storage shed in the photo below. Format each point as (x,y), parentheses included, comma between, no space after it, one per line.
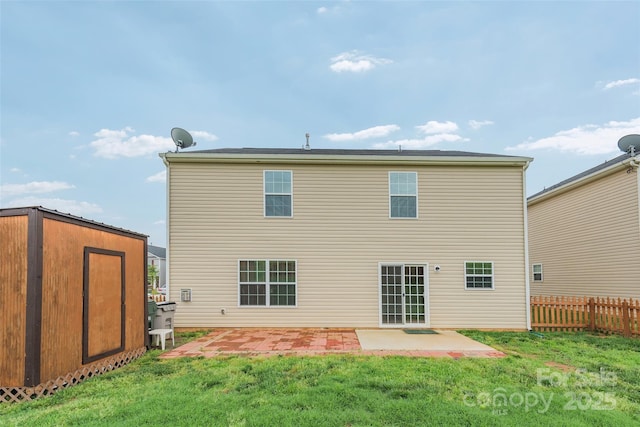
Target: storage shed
(72,300)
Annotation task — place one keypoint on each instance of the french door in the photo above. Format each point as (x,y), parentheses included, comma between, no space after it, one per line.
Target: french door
(403,294)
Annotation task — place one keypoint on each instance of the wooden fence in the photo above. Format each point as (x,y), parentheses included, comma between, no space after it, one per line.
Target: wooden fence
(597,314)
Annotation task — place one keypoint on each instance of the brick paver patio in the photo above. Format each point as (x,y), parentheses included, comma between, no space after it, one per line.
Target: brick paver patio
(297,341)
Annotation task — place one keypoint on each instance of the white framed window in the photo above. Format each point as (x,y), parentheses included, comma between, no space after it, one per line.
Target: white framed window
(267,283)
(537,272)
(278,193)
(403,194)
(478,275)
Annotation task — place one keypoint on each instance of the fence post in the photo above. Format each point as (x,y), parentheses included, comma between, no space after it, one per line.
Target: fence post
(626,322)
(592,314)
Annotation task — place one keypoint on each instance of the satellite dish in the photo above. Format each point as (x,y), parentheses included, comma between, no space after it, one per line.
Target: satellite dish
(629,144)
(182,138)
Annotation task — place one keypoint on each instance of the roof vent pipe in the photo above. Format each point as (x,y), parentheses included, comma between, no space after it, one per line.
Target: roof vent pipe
(307,146)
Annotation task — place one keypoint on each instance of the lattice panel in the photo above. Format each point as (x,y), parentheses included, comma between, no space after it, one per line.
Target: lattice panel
(19,394)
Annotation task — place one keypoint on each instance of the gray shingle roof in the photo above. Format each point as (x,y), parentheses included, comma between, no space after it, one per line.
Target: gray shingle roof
(346,152)
(586,173)
(157,251)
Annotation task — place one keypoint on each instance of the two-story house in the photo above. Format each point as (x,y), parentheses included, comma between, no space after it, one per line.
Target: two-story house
(354,238)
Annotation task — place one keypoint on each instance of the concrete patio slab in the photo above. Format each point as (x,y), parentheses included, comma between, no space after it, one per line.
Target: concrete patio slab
(397,339)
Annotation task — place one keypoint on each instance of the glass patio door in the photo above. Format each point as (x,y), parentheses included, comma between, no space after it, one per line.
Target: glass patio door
(403,294)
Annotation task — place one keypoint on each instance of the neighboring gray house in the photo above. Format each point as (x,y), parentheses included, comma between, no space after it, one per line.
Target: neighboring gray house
(157,256)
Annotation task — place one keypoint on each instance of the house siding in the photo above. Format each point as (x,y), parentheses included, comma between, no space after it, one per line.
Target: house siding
(588,239)
(339,233)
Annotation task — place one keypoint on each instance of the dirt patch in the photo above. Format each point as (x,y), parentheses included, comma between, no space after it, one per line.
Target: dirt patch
(562,367)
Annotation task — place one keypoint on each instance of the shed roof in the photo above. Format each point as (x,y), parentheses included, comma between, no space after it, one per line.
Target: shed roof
(52,213)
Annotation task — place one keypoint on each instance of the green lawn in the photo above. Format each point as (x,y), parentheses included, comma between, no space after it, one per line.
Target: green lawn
(553,379)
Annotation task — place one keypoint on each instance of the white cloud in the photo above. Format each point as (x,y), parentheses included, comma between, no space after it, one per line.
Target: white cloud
(618,83)
(587,139)
(160,222)
(355,62)
(374,132)
(15,170)
(35,187)
(435,132)
(112,144)
(323,10)
(74,133)
(73,207)
(432,127)
(477,124)
(203,135)
(159,177)
(421,143)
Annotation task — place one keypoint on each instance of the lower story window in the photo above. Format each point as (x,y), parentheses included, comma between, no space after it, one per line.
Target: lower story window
(276,279)
(478,274)
(537,272)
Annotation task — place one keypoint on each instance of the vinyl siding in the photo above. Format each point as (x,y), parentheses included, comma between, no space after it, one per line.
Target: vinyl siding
(339,233)
(588,239)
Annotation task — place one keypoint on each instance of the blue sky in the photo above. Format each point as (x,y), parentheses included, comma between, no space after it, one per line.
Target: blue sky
(91,90)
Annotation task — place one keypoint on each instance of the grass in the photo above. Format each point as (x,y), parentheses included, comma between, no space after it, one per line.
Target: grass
(553,379)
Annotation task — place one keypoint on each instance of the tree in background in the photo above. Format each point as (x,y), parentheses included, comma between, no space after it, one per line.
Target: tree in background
(153,277)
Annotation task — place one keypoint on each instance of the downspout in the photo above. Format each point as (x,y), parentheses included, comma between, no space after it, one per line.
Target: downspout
(527,291)
(634,163)
(167,214)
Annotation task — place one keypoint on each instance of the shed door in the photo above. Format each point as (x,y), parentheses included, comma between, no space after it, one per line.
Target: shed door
(403,294)
(104,304)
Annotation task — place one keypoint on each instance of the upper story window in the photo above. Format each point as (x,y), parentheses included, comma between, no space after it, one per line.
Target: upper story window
(537,272)
(403,195)
(478,275)
(278,195)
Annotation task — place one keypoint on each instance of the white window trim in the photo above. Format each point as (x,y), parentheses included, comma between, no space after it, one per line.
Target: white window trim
(533,273)
(416,196)
(267,284)
(493,276)
(427,311)
(264,193)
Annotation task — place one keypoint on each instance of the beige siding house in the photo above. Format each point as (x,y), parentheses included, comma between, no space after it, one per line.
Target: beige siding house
(584,233)
(353,238)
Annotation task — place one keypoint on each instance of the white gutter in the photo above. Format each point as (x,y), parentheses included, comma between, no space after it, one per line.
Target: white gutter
(634,163)
(186,157)
(527,282)
(167,233)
